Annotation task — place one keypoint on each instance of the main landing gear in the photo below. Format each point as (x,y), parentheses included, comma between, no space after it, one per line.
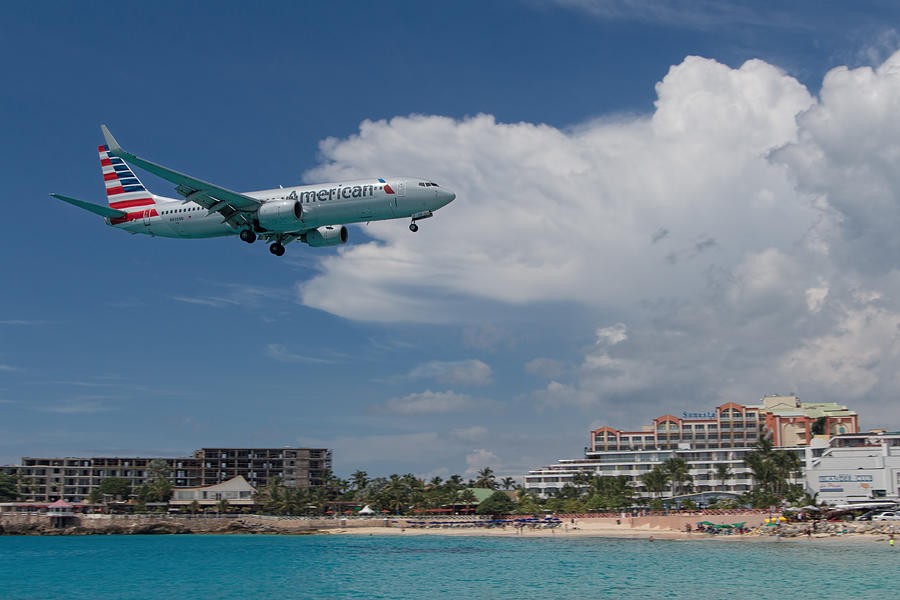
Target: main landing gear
(277,249)
(248,236)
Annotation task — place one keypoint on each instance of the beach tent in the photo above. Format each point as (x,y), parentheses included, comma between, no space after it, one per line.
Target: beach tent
(366,510)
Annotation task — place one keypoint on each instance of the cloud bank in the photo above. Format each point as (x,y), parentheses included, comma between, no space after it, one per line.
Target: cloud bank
(743,235)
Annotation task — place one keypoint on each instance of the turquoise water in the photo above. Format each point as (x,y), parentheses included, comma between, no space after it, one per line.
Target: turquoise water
(285,567)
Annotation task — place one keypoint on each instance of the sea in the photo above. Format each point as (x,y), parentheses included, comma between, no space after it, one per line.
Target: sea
(242,567)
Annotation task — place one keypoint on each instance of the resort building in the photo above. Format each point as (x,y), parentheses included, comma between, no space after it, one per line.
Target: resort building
(236,491)
(72,479)
(863,467)
(722,436)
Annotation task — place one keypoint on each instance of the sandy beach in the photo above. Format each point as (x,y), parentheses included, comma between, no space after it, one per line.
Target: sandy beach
(586,528)
(856,538)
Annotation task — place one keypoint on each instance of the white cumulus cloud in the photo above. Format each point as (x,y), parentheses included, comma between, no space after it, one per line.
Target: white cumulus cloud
(738,240)
(544,214)
(428,403)
(462,372)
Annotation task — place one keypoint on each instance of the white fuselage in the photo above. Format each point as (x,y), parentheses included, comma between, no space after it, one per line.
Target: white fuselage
(322,204)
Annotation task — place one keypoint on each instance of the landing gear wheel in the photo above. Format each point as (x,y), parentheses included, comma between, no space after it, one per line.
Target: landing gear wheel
(277,249)
(413,227)
(248,236)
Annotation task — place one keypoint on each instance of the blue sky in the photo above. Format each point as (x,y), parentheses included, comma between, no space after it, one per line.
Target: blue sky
(637,232)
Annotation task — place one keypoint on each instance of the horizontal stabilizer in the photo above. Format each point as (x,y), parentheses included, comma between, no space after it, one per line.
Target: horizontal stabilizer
(103,211)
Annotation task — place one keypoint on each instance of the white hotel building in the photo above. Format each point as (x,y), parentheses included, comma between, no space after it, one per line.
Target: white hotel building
(722,436)
(862,467)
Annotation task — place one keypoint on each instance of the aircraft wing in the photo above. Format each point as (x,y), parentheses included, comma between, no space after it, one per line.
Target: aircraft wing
(231,205)
(103,211)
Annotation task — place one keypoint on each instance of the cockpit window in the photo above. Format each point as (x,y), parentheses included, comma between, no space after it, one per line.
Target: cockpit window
(428,184)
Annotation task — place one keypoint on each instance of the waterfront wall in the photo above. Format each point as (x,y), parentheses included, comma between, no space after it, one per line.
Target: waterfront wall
(36,523)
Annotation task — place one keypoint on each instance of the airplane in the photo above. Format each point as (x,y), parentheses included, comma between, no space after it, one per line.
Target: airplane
(313,214)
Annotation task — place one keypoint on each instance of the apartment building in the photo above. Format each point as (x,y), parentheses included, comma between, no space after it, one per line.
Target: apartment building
(73,478)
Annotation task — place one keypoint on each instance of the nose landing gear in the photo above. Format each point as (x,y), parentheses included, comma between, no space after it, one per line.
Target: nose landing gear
(417,217)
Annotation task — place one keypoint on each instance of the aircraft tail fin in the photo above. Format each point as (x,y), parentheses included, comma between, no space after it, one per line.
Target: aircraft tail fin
(123,188)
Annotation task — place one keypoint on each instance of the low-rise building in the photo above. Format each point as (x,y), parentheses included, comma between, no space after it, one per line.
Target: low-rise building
(862,467)
(236,491)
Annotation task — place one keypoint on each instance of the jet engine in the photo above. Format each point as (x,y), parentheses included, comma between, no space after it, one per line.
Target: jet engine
(330,235)
(280,215)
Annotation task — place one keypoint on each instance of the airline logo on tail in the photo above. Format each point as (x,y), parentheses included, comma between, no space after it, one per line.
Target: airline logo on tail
(123,188)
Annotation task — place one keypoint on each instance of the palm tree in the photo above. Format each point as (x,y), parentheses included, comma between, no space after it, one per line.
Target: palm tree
(467,497)
(610,492)
(723,472)
(764,446)
(763,470)
(454,482)
(507,482)
(677,470)
(581,479)
(786,464)
(485,478)
(655,480)
(394,492)
(359,480)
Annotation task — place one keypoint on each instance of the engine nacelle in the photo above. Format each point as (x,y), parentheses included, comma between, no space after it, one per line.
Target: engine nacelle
(280,215)
(330,235)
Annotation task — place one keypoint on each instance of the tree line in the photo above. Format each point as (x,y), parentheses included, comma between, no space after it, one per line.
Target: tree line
(771,470)
(396,494)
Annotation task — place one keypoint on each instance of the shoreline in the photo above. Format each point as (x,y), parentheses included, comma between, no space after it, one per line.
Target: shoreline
(608,533)
(670,527)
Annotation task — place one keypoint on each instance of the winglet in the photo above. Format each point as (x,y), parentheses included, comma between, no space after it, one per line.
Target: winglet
(114,147)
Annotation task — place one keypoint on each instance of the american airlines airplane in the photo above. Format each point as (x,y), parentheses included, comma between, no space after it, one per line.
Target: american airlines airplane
(314,214)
